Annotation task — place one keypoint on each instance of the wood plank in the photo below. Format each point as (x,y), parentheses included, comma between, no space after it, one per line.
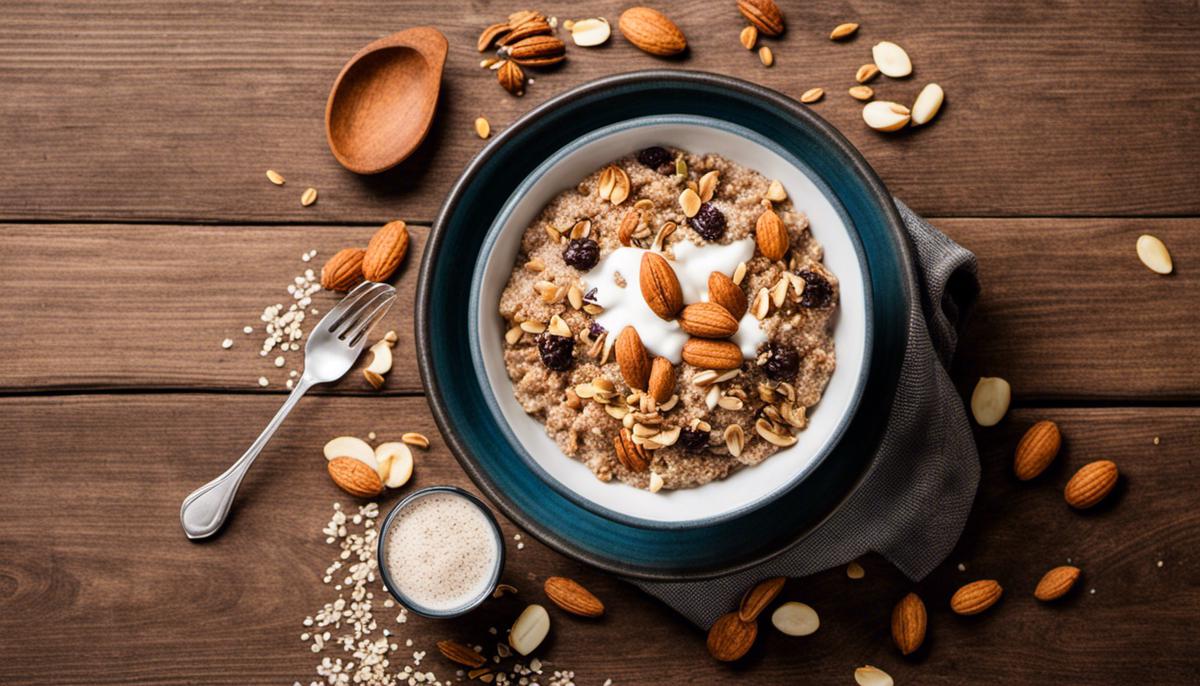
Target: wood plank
(1067,310)
(152,110)
(98,585)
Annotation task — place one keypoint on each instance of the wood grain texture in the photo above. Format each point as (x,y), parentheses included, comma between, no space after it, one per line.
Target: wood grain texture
(152,110)
(99,586)
(1067,311)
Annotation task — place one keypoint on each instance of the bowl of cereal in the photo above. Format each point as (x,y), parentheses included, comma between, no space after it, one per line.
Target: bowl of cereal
(675,339)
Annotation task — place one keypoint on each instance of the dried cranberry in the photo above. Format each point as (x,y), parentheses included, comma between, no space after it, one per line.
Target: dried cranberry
(582,253)
(709,222)
(782,362)
(654,157)
(693,441)
(556,351)
(818,292)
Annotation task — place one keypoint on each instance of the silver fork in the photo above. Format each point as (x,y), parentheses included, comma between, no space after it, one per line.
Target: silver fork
(333,346)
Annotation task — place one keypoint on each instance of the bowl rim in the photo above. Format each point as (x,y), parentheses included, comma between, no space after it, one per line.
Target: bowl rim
(873,189)
(498,228)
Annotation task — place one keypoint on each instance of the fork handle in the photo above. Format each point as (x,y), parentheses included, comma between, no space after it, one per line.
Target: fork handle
(204,511)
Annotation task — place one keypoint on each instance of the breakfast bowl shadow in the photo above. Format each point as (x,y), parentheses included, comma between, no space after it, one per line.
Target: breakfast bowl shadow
(463,400)
(393,585)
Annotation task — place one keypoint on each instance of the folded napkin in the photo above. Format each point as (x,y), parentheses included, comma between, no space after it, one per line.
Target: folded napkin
(913,504)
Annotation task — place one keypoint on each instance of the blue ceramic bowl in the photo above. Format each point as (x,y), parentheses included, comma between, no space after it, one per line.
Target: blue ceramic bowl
(485,446)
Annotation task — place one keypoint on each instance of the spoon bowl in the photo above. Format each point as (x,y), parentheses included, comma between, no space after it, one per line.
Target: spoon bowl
(382,104)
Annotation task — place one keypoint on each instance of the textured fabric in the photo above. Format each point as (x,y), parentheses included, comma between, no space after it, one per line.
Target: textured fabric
(913,504)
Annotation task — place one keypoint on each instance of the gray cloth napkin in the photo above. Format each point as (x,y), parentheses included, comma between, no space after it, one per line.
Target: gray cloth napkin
(914,502)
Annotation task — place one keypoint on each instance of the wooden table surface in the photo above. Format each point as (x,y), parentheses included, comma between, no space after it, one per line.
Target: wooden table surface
(139,231)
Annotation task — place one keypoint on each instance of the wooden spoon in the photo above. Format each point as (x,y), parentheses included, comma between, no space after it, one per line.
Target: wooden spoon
(382,103)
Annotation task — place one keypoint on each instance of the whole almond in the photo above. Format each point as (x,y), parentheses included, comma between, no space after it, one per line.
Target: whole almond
(660,286)
(709,354)
(708,320)
(355,477)
(537,26)
(572,597)
(662,380)
(385,252)
(537,51)
(1056,583)
(759,597)
(729,638)
(461,654)
(1037,450)
(908,624)
(724,292)
(771,235)
(1091,484)
(511,78)
(764,14)
(344,270)
(631,455)
(490,35)
(632,358)
(651,31)
(976,597)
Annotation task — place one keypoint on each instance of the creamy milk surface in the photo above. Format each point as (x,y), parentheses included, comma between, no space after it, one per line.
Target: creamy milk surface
(625,306)
(441,551)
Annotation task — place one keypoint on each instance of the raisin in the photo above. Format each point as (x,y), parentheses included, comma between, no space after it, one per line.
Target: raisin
(818,292)
(693,441)
(556,351)
(596,330)
(582,253)
(709,222)
(782,362)
(654,157)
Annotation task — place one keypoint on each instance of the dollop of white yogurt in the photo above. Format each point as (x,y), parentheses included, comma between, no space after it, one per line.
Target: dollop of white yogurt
(625,306)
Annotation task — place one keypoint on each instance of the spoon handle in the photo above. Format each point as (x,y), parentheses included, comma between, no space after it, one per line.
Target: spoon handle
(204,511)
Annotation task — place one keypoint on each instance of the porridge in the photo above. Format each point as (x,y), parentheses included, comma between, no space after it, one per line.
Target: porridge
(669,319)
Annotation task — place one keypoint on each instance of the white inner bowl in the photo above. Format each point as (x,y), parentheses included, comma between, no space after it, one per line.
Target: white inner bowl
(748,486)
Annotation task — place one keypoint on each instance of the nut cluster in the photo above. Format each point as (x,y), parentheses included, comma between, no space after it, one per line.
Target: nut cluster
(383,255)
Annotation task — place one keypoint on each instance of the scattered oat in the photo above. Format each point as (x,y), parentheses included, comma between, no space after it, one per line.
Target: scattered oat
(962,567)
(1156,440)
(308,197)
(812,95)
(275,177)
(279,361)
(482,128)
(748,37)
(227,343)
(262,381)
(843,31)
(1160,564)
(247,329)
(371,436)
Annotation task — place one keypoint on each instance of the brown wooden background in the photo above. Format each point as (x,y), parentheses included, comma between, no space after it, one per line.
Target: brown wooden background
(138,231)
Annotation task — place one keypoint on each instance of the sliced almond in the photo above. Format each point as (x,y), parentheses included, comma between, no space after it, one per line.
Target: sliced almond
(275,177)
(530,629)
(795,619)
(866,72)
(891,59)
(381,360)
(748,37)
(767,431)
(812,95)
(761,305)
(689,200)
(735,439)
(656,482)
(927,104)
(989,401)
(308,197)
(872,676)
(1154,254)
(482,128)
(399,463)
(776,192)
(863,93)
(843,31)
(417,439)
(587,33)
(558,327)
(883,115)
(708,185)
(350,446)
(766,56)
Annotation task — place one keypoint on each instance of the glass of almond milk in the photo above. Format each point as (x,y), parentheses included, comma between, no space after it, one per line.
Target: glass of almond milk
(440,552)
